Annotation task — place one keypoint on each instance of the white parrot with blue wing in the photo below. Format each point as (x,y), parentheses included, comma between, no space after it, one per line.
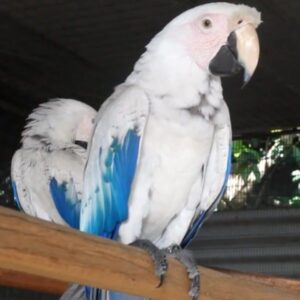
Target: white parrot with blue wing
(47,171)
(160,154)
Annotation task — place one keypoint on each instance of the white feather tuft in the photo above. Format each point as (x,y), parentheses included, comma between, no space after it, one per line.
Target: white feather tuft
(56,123)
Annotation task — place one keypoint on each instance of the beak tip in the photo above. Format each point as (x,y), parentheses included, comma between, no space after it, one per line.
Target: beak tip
(247,77)
(248,50)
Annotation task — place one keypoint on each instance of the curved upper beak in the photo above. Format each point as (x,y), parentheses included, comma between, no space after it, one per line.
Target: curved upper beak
(247,46)
(240,52)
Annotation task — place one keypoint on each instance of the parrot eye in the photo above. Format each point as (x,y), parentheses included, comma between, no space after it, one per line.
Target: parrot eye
(207,23)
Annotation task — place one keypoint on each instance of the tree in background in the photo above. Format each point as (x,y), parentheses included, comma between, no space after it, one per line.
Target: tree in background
(265,173)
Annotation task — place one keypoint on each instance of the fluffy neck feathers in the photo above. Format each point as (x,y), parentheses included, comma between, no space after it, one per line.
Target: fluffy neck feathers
(174,76)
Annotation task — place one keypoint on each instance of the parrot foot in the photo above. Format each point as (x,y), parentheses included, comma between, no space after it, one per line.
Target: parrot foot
(158,256)
(187,259)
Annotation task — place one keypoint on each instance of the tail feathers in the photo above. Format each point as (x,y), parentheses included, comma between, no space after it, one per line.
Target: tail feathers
(94,294)
(118,296)
(79,292)
(74,292)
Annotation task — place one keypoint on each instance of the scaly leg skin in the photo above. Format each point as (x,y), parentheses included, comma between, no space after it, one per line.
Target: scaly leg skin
(158,256)
(187,259)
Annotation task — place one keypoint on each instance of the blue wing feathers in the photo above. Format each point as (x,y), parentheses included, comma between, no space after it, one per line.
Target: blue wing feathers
(66,201)
(120,166)
(16,197)
(109,206)
(109,202)
(194,229)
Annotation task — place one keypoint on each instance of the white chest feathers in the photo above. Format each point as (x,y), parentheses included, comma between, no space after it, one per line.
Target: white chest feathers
(172,159)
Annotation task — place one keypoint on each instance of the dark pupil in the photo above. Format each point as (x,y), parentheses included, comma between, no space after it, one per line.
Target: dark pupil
(207,23)
(81,144)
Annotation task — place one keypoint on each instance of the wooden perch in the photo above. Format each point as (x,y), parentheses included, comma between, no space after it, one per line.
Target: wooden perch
(61,255)
(31,282)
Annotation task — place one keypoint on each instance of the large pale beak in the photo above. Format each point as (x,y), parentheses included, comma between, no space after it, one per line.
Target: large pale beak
(247,45)
(240,52)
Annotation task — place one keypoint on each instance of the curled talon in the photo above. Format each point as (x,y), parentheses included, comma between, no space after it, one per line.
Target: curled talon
(161,280)
(187,259)
(158,256)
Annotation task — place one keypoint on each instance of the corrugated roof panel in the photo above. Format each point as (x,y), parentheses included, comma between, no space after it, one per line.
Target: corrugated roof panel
(263,241)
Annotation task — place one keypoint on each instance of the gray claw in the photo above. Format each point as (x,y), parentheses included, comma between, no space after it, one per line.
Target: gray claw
(158,256)
(195,287)
(161,280)
(161,265)
(187,259)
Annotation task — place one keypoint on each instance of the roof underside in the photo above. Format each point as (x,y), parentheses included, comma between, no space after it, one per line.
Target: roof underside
(82,49)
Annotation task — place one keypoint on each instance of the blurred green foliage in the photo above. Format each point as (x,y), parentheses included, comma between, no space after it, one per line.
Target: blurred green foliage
(265,173)
(246,158)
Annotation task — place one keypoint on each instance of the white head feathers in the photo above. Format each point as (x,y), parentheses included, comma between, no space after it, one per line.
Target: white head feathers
(233,11)
(178,58)
(58,124)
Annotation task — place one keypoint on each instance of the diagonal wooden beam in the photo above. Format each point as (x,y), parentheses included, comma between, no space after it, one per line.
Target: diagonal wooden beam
(61,254)
(35,283)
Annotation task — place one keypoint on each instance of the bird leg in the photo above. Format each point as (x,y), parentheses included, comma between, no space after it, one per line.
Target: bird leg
(187,259)
(158,256)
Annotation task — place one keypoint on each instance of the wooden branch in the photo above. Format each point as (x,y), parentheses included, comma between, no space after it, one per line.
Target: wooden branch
(39,248)
(31,282)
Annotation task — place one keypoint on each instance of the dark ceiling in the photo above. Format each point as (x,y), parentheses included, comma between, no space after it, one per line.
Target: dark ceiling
(82,49)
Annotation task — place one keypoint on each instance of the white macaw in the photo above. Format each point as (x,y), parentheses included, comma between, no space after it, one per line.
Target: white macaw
(47,171)
(159,157)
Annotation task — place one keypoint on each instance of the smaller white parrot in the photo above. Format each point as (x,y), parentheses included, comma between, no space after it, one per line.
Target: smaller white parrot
(47,171)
